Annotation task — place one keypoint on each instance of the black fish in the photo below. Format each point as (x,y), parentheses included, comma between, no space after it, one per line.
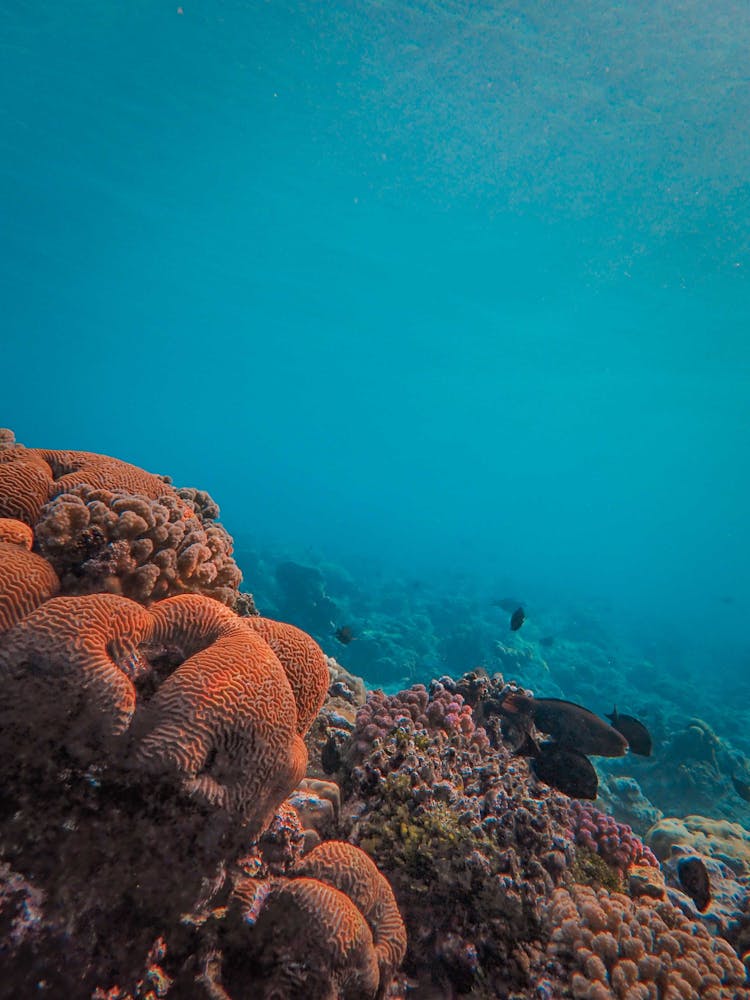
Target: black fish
(344,635)
(693,876)
(517,619)
(568,771)
(638,737)
(571,726)
(506,603)
(547,640)
(742,788)
(330,757)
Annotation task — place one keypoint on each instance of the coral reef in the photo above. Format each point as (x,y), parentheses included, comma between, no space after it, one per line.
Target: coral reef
(146,749)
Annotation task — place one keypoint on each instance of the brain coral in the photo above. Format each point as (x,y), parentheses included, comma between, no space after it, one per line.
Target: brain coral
(25,484)
(225,721)
(304,663)
(65,668)
(12,530)
(144,548)
(614,948)
(345,867)
(310,941)
(26,580)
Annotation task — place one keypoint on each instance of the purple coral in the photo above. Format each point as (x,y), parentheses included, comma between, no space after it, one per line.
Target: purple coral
(614,842)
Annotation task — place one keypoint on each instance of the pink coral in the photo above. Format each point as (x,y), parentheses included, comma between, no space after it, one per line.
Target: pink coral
(614,842)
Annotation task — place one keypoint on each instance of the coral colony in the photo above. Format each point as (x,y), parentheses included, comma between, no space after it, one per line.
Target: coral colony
(197,802)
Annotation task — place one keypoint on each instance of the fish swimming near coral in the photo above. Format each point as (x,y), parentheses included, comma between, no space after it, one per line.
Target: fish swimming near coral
(742,788)
(638,737)
(547,640)
(568,771)
(571,726)
(345,635)
(693,876)
(517,619)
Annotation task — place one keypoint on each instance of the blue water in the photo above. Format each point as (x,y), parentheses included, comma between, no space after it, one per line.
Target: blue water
(452,289)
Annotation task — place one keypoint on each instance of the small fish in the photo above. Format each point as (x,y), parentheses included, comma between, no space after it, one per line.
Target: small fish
(693,876)
(638,737)
(571,726)
(568,771)
(742,788)
(547,640)
(344,635)
(330,757)
(517,619)
(506,603)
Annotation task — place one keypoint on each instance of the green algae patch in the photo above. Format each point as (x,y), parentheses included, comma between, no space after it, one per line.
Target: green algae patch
(588,868)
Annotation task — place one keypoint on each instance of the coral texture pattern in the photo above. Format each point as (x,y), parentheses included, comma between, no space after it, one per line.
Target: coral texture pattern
(26,581)
(225,722)
(304,663)
(616,949)
(141,547)
(347,868)
(67,666)
(12,530)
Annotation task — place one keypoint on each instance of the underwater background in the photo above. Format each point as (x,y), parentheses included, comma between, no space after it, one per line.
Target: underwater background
(450,298)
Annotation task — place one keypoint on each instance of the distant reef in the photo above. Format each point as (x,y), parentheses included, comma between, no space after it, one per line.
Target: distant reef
(197,802)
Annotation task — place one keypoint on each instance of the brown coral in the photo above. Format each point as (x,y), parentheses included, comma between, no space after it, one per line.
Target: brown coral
(144,548)
(348,869)
(25,483)
(311,940)
(615,948)
(224,722)
(26,580)
(74,468)
(65,668)
(17,532)
(304,663)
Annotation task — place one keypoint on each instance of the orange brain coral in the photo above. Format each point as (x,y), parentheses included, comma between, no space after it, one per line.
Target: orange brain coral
(304,663)
(73,468)
(225,722)
(64,668)
(25,483)
(349,869)
(26,580)
(314,943)
(17,532)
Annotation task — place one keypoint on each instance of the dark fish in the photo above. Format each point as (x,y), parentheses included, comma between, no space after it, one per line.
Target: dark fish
(568,771)
(638,737)
(506,603)
(571,726)
(547,640)
(694,879)
(330,757)
(517,619)
(742,788)
(344,635)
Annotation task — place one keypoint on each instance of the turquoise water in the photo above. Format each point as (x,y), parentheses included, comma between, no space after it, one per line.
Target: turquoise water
(453,289)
